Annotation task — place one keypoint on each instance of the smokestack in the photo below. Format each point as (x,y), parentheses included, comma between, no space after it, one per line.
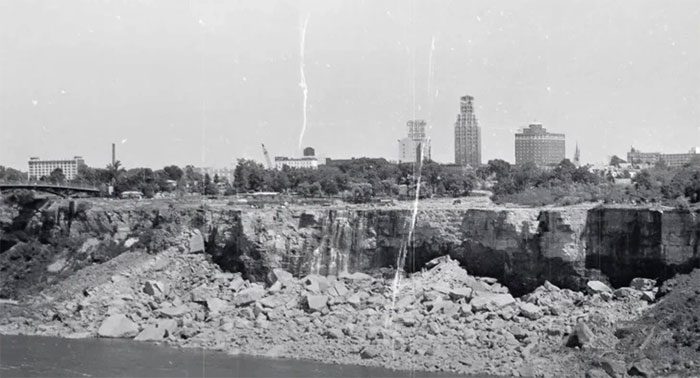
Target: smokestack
(114,154)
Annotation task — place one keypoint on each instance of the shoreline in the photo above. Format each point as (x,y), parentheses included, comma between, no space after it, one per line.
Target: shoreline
(37,349)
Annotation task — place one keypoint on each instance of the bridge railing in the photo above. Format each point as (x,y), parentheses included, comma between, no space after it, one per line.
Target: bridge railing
(45,184)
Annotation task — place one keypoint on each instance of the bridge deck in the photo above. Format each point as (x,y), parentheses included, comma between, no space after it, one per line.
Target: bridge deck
(48,186)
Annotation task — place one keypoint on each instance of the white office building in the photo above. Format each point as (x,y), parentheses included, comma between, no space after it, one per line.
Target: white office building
(43,168)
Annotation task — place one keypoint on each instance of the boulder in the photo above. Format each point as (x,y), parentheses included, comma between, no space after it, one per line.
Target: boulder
(200,294)
(491,301)
(248,296)
(596,373)
(518,332)
(465,310)
(334,333)
(440,287)
(279,275)
(643,284)
(118,326)
(128,243)
(369,352)
(355,300)
(408,319)
(168,325)
(236,283)
(225,276)
(614,367)
(461,293)
(530,311)
(597,287)
(642,368)
(357,276)
(216,305)
(405,302)
(349,329)
(174,311)
(316,302)
(626,292)
(154,288)
(581,336)
(274,301)
(649,296)
(275,288)
(56,266)
(338,289)
(437,261)
(196,242)
(151,333)
(316,283)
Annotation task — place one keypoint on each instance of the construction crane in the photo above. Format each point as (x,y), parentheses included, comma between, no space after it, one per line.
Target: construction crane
(267,157)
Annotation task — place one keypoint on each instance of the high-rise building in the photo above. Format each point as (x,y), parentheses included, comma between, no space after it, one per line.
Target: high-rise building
(535,145)
(43,168)
(467,134)
(416,139)
(577,156)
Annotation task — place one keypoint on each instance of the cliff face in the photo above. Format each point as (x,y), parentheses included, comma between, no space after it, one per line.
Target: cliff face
(624,243)
(44,241)
(520,247)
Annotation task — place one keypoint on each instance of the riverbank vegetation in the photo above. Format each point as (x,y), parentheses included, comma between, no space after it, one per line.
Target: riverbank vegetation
(365,179)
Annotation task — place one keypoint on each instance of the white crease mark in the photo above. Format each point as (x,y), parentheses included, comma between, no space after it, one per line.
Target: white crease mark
(302,84)
(431,75)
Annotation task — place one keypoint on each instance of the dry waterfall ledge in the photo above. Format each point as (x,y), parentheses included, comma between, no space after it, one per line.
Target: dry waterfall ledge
(136,270)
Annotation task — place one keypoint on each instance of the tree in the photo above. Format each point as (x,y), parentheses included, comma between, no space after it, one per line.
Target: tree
(57,176)
(361,192)
(499,168)
(210,187)
(564,171)
(11,174)
(250,176)
(280,181)
(615,161)
(173,172)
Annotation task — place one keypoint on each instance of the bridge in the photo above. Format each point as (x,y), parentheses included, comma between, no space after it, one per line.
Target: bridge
(63,190)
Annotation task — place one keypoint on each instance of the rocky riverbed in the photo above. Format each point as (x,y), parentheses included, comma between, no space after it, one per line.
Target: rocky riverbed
(440,319)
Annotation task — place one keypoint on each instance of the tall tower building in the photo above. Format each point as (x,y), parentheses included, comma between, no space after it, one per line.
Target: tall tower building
(417,138)
(467,134)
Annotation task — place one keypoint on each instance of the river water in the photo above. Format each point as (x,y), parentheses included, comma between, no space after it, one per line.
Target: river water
(37,356)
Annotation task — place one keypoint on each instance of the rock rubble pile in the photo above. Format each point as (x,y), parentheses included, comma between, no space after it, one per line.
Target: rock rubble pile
(440,319)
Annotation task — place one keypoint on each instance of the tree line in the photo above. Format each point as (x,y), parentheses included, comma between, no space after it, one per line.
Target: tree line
(145,180)
(357,179)
(362,179)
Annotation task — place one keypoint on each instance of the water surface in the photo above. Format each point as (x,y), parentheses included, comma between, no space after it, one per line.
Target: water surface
(38,356)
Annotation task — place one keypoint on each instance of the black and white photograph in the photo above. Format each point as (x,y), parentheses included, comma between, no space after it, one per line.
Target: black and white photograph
(349,188)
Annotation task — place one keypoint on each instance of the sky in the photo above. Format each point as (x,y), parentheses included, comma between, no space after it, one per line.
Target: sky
(206,82)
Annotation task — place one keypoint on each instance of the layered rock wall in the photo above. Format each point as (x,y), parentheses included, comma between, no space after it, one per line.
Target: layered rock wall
(520,247)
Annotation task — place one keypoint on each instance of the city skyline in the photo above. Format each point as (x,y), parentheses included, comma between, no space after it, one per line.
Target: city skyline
(205,94)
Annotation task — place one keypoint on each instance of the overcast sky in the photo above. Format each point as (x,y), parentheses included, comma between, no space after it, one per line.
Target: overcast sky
(205,82)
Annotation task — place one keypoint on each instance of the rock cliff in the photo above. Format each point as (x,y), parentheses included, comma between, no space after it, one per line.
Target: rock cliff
(44,240)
